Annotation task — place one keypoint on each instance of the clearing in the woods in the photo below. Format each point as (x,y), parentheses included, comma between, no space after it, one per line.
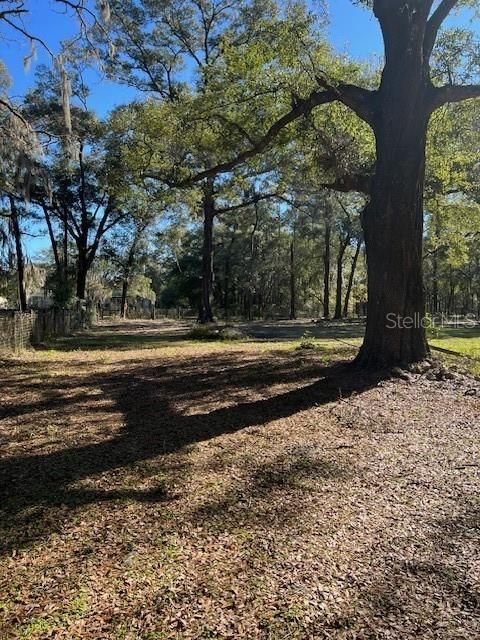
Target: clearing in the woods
(155,487)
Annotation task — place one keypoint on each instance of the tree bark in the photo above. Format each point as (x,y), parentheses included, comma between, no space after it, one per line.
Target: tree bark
(206,312)
(82,270)
(393,219)
(123,303)
(65,246)
(53,240)
(227,272)
(326,266)
(128,271)
(437,230)
(435,283)
(351,278)
(339,291)
(17,236)
(393,227)
(293,291)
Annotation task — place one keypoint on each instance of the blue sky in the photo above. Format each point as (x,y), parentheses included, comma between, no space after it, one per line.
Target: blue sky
(353,30)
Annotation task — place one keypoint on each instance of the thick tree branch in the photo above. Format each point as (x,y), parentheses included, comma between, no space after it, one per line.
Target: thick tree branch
(247,203)
(300,108)
(434,23)
(358,99)
(453,93)
(6,104)
(361,183)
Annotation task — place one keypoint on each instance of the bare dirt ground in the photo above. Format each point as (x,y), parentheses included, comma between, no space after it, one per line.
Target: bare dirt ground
(154,488)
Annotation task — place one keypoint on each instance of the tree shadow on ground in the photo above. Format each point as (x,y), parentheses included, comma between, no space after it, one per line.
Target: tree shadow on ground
(125,336)
(36,490)
(285,331)
(447,333)
(430,594)
(118,341)
(273,492)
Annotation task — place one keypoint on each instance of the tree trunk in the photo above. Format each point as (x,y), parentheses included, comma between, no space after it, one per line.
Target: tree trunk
(326,268)
(226,296)
(437,229)
(393,226)
(82,270)
(293,292)
(17,236)
(351,279)
(339,291)
(228,259)
(128,271)
(53,240)
(393,221)
(206,313)
(452,303)
(435,283)
(123,303)
(65,247)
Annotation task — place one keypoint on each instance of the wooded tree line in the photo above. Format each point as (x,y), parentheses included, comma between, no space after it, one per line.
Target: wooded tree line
(257,173)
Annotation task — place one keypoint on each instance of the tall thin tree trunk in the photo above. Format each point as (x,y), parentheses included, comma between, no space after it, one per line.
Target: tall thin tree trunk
(17,236)
(226,293)
(82,270)
(435,283)
(53,240)
(127,273)
(123,303)
(65,247)
(293,287)
(437,229)
(339,291)
(351,278)
(326,268)
(206,312)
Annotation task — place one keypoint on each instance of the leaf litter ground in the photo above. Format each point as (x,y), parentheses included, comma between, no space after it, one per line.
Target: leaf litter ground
(158,488)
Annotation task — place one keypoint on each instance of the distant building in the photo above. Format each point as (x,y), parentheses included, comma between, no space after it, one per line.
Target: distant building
(40,300)
(35,285)
(137,306)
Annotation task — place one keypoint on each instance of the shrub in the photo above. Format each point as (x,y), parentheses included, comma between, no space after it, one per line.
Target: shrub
(212,332)
(308,342)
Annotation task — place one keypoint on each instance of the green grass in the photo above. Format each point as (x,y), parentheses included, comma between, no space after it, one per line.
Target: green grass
(459,346)
(330,339)
(34,628)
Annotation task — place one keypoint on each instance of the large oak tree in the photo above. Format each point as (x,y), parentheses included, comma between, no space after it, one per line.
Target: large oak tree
(398,111)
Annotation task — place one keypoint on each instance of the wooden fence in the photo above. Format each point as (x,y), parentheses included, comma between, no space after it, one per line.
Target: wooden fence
(21,330)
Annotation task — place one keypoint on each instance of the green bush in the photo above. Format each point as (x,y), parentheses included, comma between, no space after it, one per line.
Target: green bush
(308,342)
(212,332)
